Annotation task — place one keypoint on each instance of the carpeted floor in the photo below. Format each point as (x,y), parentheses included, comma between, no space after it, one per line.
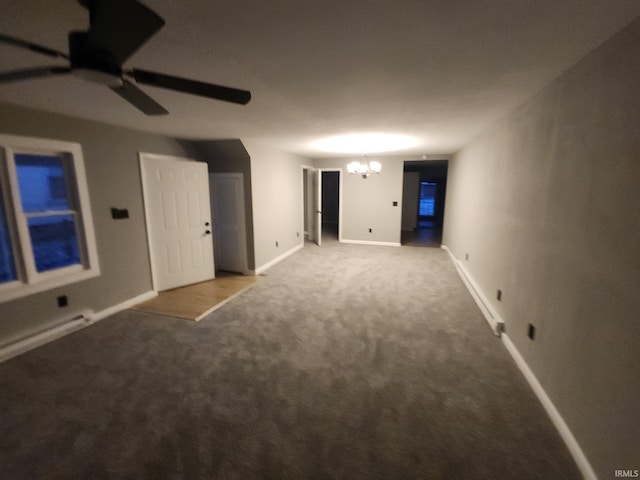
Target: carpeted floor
(345,362)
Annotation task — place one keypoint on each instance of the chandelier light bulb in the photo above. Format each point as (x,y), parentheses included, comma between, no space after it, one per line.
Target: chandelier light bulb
(364,169)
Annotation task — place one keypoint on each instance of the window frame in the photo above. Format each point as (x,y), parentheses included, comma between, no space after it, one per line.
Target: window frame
(29,280)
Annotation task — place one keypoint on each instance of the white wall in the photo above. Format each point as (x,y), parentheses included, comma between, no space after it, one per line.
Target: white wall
(547,205)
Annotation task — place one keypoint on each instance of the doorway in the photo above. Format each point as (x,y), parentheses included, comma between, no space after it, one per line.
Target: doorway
(229,232)
(330,205)
(322,204)
(424,191)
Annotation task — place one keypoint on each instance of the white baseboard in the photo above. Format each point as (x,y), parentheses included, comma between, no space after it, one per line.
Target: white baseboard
(570,441)
(278,259)
(77,322)
(107,312)
(495,321)
(367,242)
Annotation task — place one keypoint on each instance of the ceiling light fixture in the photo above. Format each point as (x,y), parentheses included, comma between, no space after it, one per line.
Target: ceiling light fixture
(364,169)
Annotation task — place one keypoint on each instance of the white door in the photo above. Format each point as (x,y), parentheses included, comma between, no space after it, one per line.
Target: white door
(317,181)
(178,215)
(230,239)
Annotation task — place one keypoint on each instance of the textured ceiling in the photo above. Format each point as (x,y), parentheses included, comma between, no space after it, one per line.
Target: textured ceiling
(439,70)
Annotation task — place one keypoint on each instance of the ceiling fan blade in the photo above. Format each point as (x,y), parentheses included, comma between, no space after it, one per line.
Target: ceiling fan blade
(194,87)
(120,27)
(29,73)
(139,99)
(34,47)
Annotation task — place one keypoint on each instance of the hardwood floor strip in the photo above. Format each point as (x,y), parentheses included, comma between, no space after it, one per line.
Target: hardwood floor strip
(194,302)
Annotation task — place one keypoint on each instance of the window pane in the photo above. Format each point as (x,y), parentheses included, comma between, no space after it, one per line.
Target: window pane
(427,199)
(42,183)
(55,242)
(7,264)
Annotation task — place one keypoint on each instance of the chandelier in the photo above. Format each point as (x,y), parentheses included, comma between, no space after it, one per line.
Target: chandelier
(364,168)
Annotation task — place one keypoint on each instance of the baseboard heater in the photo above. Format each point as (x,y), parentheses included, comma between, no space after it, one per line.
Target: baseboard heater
(494,320)
(24,345)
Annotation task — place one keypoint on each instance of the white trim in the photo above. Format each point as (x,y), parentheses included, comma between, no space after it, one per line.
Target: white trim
(570,441)
(370,242)
(309,170)
(495,321)
(17,289)
(271,263)
(107,312)
(82,320)
(29,280)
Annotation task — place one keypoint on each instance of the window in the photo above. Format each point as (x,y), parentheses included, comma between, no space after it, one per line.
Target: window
(427,199)
(46,229)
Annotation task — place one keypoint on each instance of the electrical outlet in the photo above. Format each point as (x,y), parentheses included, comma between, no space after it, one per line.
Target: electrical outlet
(531,333)
(370,230)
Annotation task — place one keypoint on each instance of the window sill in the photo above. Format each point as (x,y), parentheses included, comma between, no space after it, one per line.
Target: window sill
(15,290)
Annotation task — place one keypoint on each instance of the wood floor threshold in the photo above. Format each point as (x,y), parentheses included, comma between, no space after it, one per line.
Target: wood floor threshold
(194,302)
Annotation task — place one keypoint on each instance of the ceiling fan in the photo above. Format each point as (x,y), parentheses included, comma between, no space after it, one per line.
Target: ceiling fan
(117,29)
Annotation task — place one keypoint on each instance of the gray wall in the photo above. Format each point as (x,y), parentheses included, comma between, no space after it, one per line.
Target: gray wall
(369,203)
(276,179)
(410,197)
(547,205)
(111,162)
(230,156)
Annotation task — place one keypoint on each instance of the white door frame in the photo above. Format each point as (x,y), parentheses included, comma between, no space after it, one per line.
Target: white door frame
(309,213)
(310,171)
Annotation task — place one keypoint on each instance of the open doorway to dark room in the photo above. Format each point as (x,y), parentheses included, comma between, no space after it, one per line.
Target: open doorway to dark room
(330,204)
(424,189)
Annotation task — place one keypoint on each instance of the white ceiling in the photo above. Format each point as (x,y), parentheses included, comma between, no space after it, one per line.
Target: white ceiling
(439,70)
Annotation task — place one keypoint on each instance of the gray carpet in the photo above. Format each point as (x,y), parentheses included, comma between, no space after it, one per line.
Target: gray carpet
(345,362)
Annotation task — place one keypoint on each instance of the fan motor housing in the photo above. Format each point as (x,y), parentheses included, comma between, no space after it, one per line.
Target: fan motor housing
(90,64)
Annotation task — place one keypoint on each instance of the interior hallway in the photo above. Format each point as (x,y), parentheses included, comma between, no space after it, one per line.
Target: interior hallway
(345,361)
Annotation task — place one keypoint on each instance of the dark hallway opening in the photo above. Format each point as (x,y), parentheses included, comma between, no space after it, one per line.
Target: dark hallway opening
(424,191)
(330,204)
